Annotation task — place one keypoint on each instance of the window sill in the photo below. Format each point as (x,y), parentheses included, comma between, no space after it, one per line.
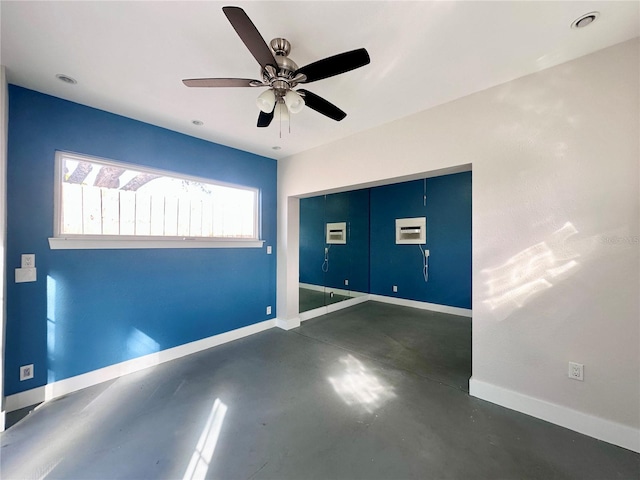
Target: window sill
(88,243)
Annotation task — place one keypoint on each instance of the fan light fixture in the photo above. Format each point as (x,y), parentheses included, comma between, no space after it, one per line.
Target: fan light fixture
(294,101)
(282,112)
(266,101)
(291,102)
(280,74)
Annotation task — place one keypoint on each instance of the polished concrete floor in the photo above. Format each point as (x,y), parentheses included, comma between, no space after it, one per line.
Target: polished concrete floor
(337,398)
(429,344)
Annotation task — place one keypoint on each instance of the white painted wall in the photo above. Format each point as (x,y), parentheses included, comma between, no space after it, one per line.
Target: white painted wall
(555,226)
(4,122)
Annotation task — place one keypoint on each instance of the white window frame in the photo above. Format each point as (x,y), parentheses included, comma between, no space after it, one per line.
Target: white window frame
(61,241)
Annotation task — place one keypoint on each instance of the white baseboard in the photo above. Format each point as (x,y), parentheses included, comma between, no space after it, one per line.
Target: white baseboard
(2,420)
(311,286)
(69,385)
(337,291)
(309,314)
(600,428)
(363,297)
(434,307)
(334,307)
(287,323)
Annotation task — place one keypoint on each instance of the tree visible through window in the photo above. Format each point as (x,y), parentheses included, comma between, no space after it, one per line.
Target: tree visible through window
(98,197)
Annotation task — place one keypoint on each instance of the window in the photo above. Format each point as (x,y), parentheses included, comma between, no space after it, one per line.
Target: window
(105,204)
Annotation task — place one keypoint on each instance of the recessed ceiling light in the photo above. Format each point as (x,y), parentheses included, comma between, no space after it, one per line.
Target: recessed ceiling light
(276,147)
(66,79)
(197,122)
(585,20)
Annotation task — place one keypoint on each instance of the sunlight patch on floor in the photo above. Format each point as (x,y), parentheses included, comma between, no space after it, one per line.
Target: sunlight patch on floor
(358,386)
(201,458)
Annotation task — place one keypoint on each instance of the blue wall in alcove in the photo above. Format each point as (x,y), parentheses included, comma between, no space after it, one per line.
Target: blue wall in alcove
(94,308)
(377,257)
(346,262)
(448,212)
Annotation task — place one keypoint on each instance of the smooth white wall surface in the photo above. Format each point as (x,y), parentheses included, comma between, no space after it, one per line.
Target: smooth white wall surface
(555,222)
(4,123)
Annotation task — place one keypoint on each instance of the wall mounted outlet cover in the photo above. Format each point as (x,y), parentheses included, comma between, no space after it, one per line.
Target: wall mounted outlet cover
(26,372)
(28,260)
(576,371)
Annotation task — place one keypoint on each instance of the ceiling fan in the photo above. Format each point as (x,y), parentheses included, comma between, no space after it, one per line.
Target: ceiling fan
(281,74)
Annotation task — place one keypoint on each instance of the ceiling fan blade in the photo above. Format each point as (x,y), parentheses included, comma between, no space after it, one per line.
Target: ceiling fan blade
(222,82)
(320,105)
(264,119)
(330,66)
(249,34)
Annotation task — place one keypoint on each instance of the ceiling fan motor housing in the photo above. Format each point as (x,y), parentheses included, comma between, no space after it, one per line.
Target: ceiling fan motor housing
(282,79)
(281,74)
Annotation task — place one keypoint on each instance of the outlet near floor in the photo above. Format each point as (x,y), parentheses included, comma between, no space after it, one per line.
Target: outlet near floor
(269,310)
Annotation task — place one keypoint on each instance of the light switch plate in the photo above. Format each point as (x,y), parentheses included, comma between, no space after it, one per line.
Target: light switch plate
(268,249)
(26,275)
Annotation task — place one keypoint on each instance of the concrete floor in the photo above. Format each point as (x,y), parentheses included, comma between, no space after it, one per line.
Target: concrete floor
(334,399)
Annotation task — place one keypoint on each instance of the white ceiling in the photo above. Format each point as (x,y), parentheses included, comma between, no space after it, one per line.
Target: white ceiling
(129,57)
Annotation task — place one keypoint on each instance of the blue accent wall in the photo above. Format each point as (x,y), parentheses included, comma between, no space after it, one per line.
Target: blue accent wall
(348,261)
(93,308)
(358,247)
(312,233)
(448,212)
(371,259)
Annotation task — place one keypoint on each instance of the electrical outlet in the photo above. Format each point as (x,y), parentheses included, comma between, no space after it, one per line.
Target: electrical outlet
(269,250)
(576,371)
(426,253)
(28,260)
(269,310)
(26,372)
(346,283)
(395,289)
